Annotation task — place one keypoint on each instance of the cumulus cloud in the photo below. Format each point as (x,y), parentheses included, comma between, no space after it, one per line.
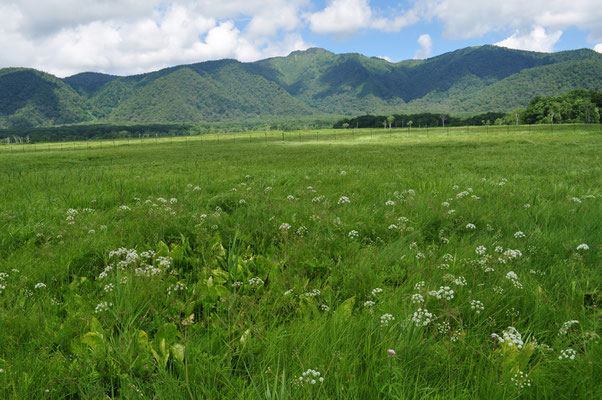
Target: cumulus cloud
(132,36)
(345,17)
(426,44)
(535,40)
(462,19)
(342,17)
(598,48)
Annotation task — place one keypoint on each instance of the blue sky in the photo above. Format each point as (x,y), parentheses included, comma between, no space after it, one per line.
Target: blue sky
(133,36)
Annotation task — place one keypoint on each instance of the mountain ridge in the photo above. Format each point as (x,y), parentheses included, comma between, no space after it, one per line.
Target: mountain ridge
(307,82)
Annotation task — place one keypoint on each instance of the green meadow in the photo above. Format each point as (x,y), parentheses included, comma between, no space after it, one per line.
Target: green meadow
(357,264)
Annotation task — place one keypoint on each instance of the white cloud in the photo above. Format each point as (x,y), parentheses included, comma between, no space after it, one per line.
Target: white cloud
(598,48)
(426,44)
(397,22)
(467,19)
(342,17)
(134,36)
(385,58)
(130,36)
(535,40)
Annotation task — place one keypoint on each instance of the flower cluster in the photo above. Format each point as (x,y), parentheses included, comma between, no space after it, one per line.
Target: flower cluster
(385,319)
(417,298)
(313,293)
(311,376)
(177,287)
(102,307)
(521,380)
(512,277)
(568,354)
(422,317)
(511,337)
(476,306)
(343,200)
(564,329)
(254,283)
(480,250)
(444,292)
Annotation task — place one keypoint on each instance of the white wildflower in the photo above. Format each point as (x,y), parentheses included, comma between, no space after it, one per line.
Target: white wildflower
(480,250)
(445,292)
(512,277)
(476,306)
(417,298)
(343,200)
(568,354)
(422,317)
(385,319)
(564,329)
(255,282)
(102,307)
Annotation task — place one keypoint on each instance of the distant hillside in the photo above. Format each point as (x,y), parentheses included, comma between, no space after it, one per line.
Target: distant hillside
(88,83)
(310,82)
(33,98)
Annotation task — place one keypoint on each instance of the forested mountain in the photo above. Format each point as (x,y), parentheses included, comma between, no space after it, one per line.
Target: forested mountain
(310,82)
(32,98)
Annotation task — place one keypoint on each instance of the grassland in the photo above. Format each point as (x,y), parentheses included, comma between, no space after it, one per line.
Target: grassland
(226,267)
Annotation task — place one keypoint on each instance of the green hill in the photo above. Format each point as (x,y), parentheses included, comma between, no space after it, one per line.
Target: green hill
(207,92)
(33,98)
(88,83)
(304,83)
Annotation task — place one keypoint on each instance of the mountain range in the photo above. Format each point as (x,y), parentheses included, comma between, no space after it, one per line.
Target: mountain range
(304,83)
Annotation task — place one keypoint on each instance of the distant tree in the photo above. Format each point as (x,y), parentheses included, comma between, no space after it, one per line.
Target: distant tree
(345,125)
(410,124)
(385,124)
(390,120)
(498,121)
(443,118)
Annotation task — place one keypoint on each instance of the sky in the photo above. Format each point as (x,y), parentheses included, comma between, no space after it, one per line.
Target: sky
(125,37)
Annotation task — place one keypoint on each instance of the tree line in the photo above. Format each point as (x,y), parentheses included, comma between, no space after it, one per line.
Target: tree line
(576,106)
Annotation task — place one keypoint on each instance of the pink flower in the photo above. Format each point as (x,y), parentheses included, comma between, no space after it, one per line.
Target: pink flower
(391,353)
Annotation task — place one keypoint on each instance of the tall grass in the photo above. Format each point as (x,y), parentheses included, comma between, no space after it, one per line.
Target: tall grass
(244,266)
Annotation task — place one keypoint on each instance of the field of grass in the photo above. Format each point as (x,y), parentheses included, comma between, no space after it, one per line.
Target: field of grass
(263,267)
